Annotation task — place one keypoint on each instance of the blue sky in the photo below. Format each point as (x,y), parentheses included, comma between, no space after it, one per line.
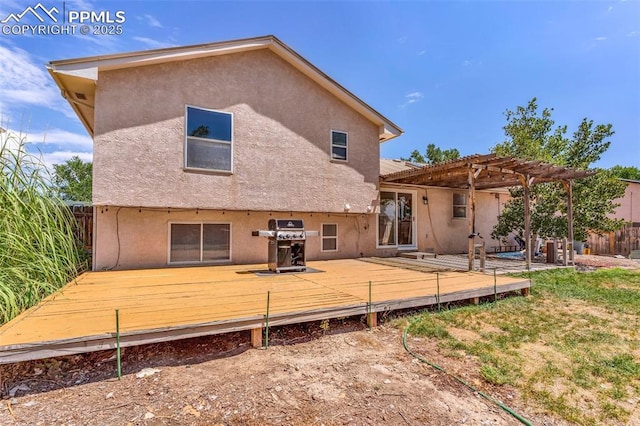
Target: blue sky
(443,71)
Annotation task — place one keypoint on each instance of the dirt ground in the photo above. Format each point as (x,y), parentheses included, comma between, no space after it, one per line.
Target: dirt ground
(324,373)
(593,261)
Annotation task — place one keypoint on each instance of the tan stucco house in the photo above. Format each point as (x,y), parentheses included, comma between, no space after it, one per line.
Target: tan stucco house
(629,208)
(195,147)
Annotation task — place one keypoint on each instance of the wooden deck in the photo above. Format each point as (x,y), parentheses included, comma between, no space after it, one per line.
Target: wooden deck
(166,304)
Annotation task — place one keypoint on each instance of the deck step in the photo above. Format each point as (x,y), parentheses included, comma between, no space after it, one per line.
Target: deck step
(419,255)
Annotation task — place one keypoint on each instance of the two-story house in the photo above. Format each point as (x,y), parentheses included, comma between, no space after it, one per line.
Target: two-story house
(195,147)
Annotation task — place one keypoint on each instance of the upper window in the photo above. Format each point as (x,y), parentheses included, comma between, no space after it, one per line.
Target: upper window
(209,140)
(199,242)
(339,145)
(329,237)
(459,205)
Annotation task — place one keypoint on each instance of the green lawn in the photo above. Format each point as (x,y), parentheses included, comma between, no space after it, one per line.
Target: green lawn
(572,349)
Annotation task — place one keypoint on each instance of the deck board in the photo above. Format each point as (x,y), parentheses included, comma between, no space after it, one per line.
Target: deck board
(167,304)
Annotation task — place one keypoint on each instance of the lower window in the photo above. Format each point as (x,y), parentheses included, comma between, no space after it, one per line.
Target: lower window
(199,242)
(329,237)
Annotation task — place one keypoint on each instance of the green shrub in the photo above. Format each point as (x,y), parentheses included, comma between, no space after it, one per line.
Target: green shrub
(38,250)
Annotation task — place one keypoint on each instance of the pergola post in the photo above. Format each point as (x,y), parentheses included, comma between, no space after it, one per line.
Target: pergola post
(568,187)
(526,182)
(473,174)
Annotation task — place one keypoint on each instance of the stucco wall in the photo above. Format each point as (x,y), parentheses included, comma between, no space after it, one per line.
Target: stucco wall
(129,238)
(437,228)
(629,209)
(281,148)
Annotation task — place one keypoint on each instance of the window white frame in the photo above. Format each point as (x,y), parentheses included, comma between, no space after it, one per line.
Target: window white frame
(198,262)
(454,205)
(325,237)
(345,147)
(414,221)
(208,140)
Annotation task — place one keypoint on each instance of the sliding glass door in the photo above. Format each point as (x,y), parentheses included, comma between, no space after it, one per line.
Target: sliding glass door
(396,223)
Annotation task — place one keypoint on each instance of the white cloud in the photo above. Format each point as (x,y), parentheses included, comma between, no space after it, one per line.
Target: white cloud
(466,63)
(154,44)
(54,146)
(61,138)
(412,98)
(610,9)
(59,157)
(600,38)
(11,139)
(422,52)
(104,44)
(151,20)
(23,82)
(632,34)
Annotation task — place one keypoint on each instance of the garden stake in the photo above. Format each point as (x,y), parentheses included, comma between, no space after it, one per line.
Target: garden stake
(118,364)
(438,289)
(495,288)
(369,307)
(266,329)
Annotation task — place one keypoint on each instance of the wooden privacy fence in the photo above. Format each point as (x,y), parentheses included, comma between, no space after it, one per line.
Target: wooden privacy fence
(84,225)
(621,242)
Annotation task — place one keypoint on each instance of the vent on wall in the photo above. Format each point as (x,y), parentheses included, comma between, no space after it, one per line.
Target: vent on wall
(81,96)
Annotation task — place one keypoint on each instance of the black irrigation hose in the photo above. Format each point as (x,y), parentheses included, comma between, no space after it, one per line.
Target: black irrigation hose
(437,367)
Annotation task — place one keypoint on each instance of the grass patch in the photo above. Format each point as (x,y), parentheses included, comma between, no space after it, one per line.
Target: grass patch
(568,348)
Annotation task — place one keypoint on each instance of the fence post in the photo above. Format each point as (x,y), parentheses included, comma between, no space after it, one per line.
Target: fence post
(438,289)
(118,360)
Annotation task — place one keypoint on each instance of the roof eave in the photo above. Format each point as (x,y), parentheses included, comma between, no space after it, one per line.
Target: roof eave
(88,68)
(64,93)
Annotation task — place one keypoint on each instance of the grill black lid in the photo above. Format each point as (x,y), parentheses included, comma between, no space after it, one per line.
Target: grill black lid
(278,224)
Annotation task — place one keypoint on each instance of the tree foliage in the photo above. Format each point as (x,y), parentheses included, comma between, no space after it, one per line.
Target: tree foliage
(433,155)
(622,172)
(531,135)
(72,180)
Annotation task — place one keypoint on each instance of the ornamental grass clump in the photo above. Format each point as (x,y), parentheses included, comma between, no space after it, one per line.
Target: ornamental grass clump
(38,250)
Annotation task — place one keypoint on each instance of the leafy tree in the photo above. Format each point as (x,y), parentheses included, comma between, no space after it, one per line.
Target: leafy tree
(433,155)
(531,135)
(72,180)
(622,172)
(201,131)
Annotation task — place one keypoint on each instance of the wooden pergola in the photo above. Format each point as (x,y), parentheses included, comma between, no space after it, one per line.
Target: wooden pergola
(491,171)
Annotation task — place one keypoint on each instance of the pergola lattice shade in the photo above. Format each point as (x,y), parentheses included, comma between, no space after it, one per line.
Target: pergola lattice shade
(492,172)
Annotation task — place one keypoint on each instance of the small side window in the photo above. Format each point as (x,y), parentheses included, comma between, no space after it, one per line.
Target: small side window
(459,205)
(339,142)
(329,237)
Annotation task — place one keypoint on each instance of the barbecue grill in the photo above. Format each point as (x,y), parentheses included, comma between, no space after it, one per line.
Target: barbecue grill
(287,238)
